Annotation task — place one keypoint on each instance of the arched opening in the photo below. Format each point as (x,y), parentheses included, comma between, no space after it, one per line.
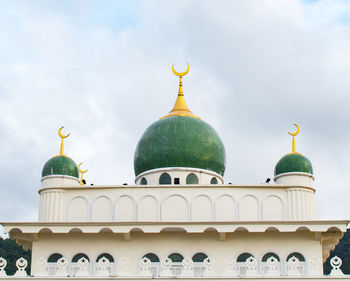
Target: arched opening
(74,268)
(176,267)
(270,264)
(214,180)
(155,263)
(295,264)
(143,181)
(165,179)
(52,264)
(192,179)
(198,265)
(104,258)
(241,263)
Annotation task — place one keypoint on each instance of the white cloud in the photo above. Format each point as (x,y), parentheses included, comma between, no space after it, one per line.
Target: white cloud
(255,69)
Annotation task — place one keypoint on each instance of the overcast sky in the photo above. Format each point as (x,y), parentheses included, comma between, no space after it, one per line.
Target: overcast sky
(103,70)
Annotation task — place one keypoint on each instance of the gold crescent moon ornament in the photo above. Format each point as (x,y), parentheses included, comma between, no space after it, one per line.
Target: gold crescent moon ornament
(62,137)
(180,74)
(293,135)
(82,172)
(60,133)
(297,131)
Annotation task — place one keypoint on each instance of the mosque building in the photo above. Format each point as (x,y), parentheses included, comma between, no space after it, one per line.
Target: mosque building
(180,219)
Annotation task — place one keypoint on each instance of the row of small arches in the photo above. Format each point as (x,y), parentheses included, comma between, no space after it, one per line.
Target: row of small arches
(200,208)
(165,178)
(177,259)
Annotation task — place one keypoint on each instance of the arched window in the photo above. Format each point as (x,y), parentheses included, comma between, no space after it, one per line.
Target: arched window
(214,180)
(176,268)
(165,179)
(198,259)
(52,264)
(192,179)
(155,263)
(74,268)
(143,181)
(110,269)
(267,269)
(301,268)
(241,263)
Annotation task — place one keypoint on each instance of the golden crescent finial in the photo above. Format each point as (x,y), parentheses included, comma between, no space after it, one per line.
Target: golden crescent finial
(293,135)
(60,133)
(297,131)
(62,137)
(82,173)
(181,73)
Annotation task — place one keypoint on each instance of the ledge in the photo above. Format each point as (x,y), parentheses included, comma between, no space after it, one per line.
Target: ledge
(189,227)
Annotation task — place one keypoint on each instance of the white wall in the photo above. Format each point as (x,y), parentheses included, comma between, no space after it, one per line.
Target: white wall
(177,203)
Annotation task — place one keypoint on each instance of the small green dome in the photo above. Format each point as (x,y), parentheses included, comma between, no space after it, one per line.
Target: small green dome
(180,141)
(60,165)
(293,162)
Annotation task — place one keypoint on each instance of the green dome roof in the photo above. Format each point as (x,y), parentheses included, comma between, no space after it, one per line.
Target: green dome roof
(180,141)
(293,162)
(60,165)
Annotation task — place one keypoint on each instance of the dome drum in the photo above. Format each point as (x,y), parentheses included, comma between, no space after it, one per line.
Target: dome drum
(178,175)
(295,179)
(59,180)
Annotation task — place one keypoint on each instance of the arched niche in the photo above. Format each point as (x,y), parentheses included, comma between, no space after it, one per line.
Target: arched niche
(273,208)
(201,208)
(249,208)
(225,208)
(147,209)
(192,179)
(175,208)
(165,178)
(124,209)
(101,209)
(78,210)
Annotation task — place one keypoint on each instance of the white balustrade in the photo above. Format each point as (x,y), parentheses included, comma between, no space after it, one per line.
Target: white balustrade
(336,263)
(145,265)
(3,264)
(166,265)
(21,268)
(187,265)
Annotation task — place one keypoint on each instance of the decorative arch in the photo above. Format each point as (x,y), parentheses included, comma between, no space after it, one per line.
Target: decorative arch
(53,258)
(79,256)
(101,209)
(213,180)
(152,257)
(202,208)
(225,208)
(176,257)
(155,263)
(165,178)
(143,181)
(273,208)
(78,209)
(192,179)
(148,208)
(125,208)
(249,208)
(106,255)
(175,207)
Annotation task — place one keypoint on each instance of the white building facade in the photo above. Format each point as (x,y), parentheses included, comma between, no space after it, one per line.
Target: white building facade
(179,220)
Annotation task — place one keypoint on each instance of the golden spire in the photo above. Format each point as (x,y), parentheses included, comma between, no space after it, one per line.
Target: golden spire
(62,137)
(293,141)
(82,173)
(180,108)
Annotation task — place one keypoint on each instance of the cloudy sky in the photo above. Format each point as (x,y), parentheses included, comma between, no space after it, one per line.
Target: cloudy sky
(103,70)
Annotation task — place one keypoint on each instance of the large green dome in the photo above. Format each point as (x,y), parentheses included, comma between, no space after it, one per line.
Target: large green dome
(180,141)
(60,165)
(293,162)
